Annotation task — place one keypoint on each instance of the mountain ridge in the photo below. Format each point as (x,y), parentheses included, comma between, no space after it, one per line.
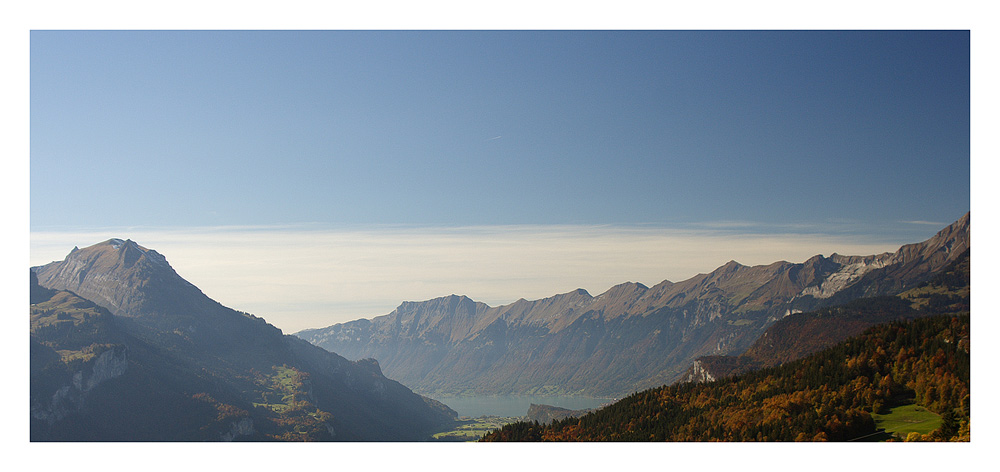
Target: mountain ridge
(569,342)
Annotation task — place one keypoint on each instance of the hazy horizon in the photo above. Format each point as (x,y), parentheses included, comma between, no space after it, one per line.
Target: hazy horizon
(311,276)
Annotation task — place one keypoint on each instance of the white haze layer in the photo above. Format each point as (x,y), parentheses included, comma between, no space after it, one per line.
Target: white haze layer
(302,277)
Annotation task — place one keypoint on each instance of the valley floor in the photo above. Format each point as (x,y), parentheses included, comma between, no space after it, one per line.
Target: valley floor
(471,429)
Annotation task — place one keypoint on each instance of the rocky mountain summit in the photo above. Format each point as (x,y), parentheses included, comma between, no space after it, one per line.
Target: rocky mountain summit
(123,348)
(133,281)
(627,338)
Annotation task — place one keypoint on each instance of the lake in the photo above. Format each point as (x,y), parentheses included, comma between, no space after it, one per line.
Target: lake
(515,405)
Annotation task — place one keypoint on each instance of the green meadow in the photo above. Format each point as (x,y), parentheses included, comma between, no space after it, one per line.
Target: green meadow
(903,420)
(475,428)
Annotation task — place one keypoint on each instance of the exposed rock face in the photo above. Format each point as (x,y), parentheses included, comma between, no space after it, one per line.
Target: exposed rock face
(628,338)
(698,373)
(70,398)
(112,363)
(132,281)
(911,264)
(850,270)
(242,427)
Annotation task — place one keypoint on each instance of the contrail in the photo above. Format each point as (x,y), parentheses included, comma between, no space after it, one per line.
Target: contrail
(495,137)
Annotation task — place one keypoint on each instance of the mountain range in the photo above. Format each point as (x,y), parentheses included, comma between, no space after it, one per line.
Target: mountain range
(123,348)
(883,368)
(626,339)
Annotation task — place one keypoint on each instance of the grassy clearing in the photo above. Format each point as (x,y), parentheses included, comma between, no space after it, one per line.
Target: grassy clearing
(282,391)
(903,420)
(64,310)
(473,429)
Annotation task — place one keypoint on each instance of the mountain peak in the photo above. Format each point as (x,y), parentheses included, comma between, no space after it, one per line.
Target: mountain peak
(445,301)
(123,276)
(732,264)
(574,294)
(627,289)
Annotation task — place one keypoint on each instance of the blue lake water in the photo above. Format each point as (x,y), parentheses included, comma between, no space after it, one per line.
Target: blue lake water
(515,405)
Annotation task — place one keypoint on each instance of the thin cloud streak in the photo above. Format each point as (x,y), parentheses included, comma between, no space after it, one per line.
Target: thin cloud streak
(925,223)
(302,277)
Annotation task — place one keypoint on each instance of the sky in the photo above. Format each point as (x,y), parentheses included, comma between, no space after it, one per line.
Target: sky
(315,177)
(449,128)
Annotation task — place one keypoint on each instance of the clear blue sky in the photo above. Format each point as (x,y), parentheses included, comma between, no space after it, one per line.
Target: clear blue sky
(449,128)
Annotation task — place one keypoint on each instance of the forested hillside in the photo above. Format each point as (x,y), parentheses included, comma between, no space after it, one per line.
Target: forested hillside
(827,396)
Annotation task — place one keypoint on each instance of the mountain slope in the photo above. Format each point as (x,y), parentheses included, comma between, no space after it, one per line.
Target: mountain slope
(201,356)
(91,380)
(629,337)
(827,396)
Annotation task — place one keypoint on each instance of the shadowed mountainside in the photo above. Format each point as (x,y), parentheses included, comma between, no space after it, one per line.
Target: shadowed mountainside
(118,338)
